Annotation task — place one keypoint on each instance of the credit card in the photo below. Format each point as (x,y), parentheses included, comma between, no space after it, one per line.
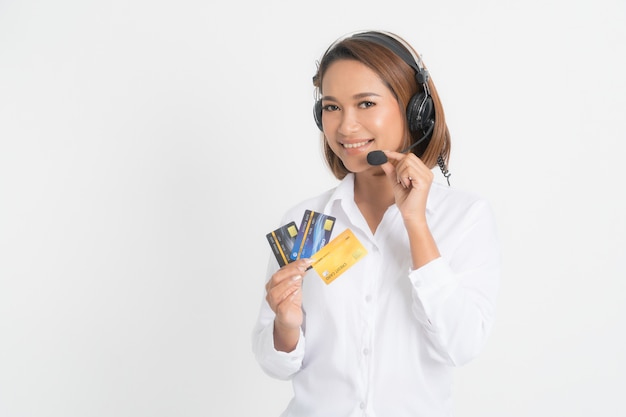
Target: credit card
(338,256)
(281,241)
(314,232)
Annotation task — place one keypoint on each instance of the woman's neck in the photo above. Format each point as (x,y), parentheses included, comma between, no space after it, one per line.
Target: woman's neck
(373,195)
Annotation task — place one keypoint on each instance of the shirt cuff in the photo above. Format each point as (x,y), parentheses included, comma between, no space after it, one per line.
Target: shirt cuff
(435,273)
(281,364)
(433,283)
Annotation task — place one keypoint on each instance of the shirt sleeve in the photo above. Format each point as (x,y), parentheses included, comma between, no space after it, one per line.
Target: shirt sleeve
(454,295)
(280,365)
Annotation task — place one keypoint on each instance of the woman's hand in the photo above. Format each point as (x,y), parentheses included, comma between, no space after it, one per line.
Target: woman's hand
(284,295)
(411,181)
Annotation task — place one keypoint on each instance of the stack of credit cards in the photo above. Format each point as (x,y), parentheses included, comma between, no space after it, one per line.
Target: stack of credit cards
(290,243)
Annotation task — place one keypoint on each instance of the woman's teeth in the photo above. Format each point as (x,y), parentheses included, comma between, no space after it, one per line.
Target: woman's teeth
(355,145)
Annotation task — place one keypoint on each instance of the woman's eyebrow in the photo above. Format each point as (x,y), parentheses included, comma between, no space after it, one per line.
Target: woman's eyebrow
(356,96)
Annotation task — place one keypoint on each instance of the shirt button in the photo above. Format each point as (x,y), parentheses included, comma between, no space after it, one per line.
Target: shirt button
(366,351)
(362,406)
(368,298)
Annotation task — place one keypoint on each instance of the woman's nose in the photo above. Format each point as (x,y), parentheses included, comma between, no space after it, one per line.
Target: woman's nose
(349,122)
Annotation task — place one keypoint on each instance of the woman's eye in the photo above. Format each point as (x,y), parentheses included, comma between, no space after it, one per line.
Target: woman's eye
(367,104)
(330,107)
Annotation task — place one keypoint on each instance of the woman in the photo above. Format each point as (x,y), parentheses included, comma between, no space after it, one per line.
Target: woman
(383,338)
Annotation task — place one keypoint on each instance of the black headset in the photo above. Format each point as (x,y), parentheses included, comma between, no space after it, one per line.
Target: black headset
(420,112)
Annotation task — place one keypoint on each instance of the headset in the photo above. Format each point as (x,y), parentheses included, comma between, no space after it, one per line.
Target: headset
(420,111)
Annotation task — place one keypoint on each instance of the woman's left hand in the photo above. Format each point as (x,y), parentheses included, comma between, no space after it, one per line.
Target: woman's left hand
(411,181)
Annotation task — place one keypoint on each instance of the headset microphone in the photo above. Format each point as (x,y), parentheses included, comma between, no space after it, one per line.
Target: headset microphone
(379,157)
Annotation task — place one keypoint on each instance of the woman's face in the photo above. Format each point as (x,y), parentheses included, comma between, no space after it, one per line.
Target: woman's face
(359,114)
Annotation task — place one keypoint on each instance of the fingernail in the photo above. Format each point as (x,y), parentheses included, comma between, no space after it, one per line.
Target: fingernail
(297,277)
(307,264)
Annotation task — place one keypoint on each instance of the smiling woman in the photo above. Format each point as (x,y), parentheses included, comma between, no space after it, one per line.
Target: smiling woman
(346,118)
(384,336)
(147,146)
(404,78)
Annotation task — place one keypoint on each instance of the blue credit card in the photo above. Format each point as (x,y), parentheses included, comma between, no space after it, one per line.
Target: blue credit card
(314,232)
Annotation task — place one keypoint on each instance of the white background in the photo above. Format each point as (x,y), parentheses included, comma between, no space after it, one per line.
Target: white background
(146,147)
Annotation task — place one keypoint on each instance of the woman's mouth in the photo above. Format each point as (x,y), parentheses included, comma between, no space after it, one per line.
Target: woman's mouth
(356,145)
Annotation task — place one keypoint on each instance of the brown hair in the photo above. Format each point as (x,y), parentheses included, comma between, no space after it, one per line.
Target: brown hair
(399,77)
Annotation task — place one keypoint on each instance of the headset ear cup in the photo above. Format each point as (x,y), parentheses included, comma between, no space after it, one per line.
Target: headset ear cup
(420,112)
(317,114)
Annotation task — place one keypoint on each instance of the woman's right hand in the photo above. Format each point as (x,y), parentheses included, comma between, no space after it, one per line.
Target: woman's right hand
(284,295)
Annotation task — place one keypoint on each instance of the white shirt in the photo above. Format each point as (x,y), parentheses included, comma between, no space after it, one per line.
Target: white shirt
(382,340)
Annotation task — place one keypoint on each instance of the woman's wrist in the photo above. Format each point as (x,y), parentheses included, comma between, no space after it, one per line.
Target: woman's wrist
(285,337)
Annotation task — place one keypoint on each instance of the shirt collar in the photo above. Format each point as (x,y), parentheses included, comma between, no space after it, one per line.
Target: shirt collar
(345,191)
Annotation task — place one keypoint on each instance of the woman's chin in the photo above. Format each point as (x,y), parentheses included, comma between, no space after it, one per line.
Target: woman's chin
(363,166)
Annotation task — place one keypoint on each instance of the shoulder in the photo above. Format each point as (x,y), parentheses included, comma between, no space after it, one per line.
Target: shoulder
(448,201)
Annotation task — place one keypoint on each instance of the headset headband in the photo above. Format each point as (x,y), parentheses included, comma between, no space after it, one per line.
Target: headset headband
(396,45)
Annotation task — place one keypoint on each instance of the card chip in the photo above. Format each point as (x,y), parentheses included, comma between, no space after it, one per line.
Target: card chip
(328,224)
(293,231)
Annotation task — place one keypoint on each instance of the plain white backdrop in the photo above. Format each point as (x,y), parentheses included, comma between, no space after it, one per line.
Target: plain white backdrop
(147,147)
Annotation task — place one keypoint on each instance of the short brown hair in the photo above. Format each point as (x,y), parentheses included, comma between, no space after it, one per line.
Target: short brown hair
(399,77)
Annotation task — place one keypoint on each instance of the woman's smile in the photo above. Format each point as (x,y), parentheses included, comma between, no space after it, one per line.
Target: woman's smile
(355,145)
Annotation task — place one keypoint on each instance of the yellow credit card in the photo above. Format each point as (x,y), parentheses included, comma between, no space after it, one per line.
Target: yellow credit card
(337,256)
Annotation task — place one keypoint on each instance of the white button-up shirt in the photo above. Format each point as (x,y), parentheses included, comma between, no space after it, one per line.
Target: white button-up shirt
(382,339)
